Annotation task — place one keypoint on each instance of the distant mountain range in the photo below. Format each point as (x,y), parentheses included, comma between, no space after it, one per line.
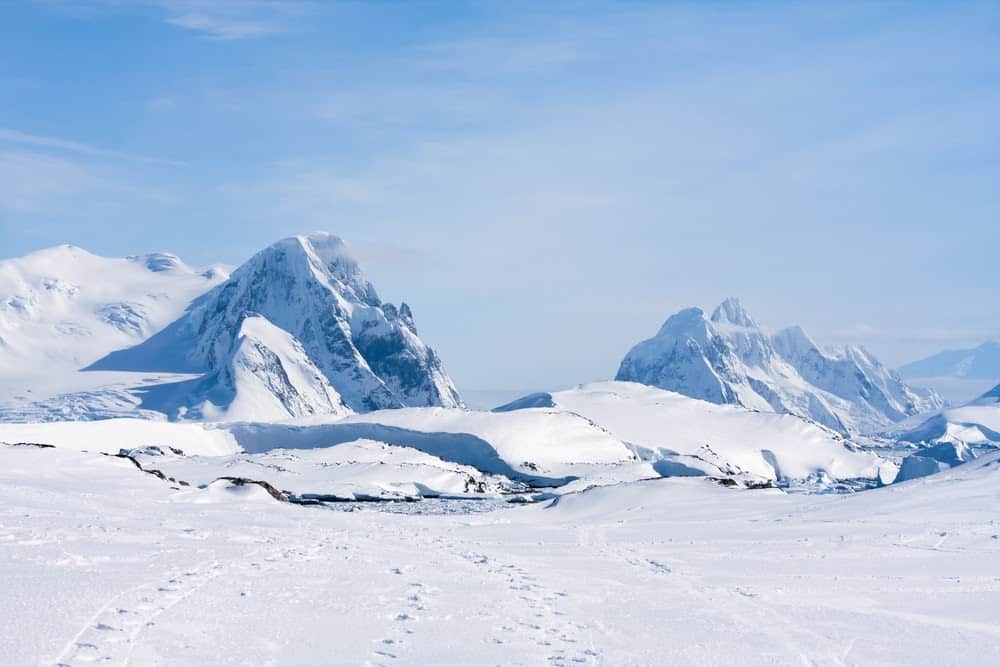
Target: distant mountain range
(978,363)
(298,330)
(959,375)
(729,358)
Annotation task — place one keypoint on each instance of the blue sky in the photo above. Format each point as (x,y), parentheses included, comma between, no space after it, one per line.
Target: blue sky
(543,182)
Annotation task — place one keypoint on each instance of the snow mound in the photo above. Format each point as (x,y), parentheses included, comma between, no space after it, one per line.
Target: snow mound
(234,490)
(659,424)
(543,449)
(358,470)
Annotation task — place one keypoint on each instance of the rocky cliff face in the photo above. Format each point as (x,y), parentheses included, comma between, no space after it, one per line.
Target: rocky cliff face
(730,358)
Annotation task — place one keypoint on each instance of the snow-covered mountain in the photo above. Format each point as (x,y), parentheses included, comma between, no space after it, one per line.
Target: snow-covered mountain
(729,358)
(975,423)
(300,327)
(982,363)
(960,375)
(63,308)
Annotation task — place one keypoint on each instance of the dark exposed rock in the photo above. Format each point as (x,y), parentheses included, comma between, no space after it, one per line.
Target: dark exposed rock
(273,492)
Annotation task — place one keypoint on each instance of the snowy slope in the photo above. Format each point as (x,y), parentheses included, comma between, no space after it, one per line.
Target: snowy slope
(104,564)
(541,449)
(975,423)
(113,435)
(598,434)
(730,358)
(768,445)
(63,308)
(268,376)
(311,288)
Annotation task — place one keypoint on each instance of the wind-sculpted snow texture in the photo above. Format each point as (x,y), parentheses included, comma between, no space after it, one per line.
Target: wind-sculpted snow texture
(730,358)
(310,288)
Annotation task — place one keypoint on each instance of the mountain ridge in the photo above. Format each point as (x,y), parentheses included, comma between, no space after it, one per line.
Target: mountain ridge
(729,357)
(311,288)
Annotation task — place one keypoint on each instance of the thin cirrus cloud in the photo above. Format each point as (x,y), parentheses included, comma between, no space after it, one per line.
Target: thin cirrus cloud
(8,135)
(228,20)
(223,20)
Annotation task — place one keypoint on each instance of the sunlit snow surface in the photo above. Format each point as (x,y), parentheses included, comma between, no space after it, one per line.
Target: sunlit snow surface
(101,562)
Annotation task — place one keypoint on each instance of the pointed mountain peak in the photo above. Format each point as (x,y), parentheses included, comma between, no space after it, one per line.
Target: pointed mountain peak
(793,341)
(330,249)
(684,321)
(731,311)
(319,256)
(309,290)
(730,358)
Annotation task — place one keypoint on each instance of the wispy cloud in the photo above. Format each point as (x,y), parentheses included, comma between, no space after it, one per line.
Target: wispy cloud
(223,20)
(233,19)
(8,135)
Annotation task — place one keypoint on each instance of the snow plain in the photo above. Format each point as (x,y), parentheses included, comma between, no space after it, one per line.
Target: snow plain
(104,563)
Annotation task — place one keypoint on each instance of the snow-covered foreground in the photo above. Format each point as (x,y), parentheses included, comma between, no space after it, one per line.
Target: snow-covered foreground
(102,562)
